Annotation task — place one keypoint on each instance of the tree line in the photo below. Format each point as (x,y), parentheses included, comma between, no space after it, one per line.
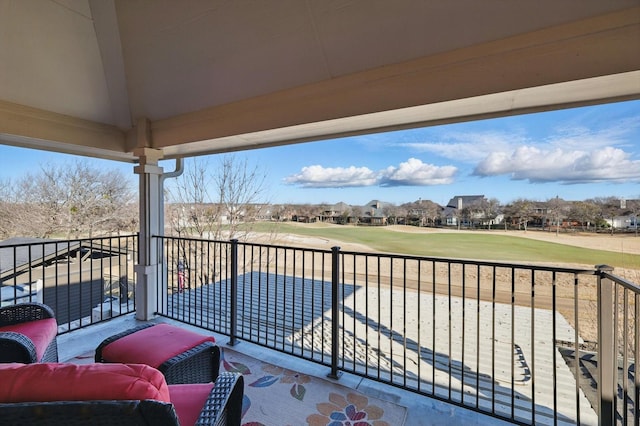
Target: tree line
(219,201)
(586,215)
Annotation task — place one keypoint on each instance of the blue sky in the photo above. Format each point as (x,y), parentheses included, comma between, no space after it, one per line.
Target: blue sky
(575,154)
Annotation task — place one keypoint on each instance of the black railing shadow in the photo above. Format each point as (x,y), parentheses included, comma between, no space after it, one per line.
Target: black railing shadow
(444,363)
(293,315)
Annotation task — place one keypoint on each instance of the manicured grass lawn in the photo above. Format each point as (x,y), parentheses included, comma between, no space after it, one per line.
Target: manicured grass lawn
(481,246)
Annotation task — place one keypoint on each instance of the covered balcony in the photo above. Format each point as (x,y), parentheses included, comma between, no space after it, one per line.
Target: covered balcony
(454,340)
(144,82)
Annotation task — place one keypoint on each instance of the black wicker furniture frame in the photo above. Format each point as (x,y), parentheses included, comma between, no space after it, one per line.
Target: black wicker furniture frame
(16,347)
(199,364)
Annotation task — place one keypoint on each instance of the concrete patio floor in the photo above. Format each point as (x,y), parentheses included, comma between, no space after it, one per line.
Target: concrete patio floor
(421,410)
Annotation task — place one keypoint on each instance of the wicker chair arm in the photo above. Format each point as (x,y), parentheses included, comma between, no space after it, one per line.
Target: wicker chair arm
(190,366)
(24,312)
(224,405)
(16,347)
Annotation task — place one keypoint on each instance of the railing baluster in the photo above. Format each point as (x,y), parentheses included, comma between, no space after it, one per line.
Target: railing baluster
(512,404)
(576,339)
(463,330)
(636,359)
(554,377)
(533,347)
(335,313)
(478,271)
(493,339)
(433,327)
(449,329)
(233,329)
(625,359)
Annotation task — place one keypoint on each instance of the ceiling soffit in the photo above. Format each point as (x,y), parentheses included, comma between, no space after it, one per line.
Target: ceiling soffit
(308,71)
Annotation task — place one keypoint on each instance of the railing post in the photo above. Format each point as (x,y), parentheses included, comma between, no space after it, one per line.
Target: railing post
(607,359)
(149,193)
(335,312)
(233,327)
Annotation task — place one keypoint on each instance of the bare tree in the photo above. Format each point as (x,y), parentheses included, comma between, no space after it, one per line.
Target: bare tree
(521,210)
(72,199)
(6,208)
(218,202)
(557,209)
(357,214)
(584,212)
(241,193)
(608,208)
(491,209)
(391,213)
(192,210)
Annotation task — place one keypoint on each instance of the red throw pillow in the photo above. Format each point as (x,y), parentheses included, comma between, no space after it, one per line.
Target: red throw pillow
(73,382)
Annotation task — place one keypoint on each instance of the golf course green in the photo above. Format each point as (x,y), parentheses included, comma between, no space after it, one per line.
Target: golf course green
(480,245)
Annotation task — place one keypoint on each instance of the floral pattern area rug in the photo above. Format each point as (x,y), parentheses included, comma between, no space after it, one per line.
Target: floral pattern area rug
(277,396)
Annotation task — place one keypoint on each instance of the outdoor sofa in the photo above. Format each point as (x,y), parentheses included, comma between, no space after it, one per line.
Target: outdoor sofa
(113,394)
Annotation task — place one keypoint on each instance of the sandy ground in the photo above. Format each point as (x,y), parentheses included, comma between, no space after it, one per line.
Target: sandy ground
(565,304)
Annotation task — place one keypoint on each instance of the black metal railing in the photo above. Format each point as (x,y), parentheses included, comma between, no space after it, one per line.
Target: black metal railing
(85,281)
(519,342)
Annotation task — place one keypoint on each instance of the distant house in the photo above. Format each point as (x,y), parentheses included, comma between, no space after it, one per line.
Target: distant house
(453,211)
(335,213)
(423,213)
(630,210)
(374,212)
(71,276)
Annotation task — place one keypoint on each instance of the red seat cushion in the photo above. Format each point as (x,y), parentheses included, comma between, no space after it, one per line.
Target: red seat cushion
(40,332)
(73,382)
(188,400)
(153,345)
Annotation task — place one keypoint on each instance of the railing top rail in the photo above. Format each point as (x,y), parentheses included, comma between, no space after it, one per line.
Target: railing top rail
(64,242)
(278,246)
(198,239)
(621,281)
(536,267)
(245,243)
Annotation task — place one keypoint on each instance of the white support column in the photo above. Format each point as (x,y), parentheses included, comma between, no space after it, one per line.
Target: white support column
(150,224)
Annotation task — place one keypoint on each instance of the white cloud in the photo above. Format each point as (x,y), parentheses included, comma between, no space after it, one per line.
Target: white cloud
(574,153)
(564,166)
(333,177)
(584,138)
(413,172)
(467,147)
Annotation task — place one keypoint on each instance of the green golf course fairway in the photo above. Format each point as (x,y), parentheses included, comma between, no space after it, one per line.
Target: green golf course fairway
(483,245)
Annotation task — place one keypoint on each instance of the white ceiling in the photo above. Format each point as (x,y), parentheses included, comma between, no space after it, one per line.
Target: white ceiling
(190,77)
